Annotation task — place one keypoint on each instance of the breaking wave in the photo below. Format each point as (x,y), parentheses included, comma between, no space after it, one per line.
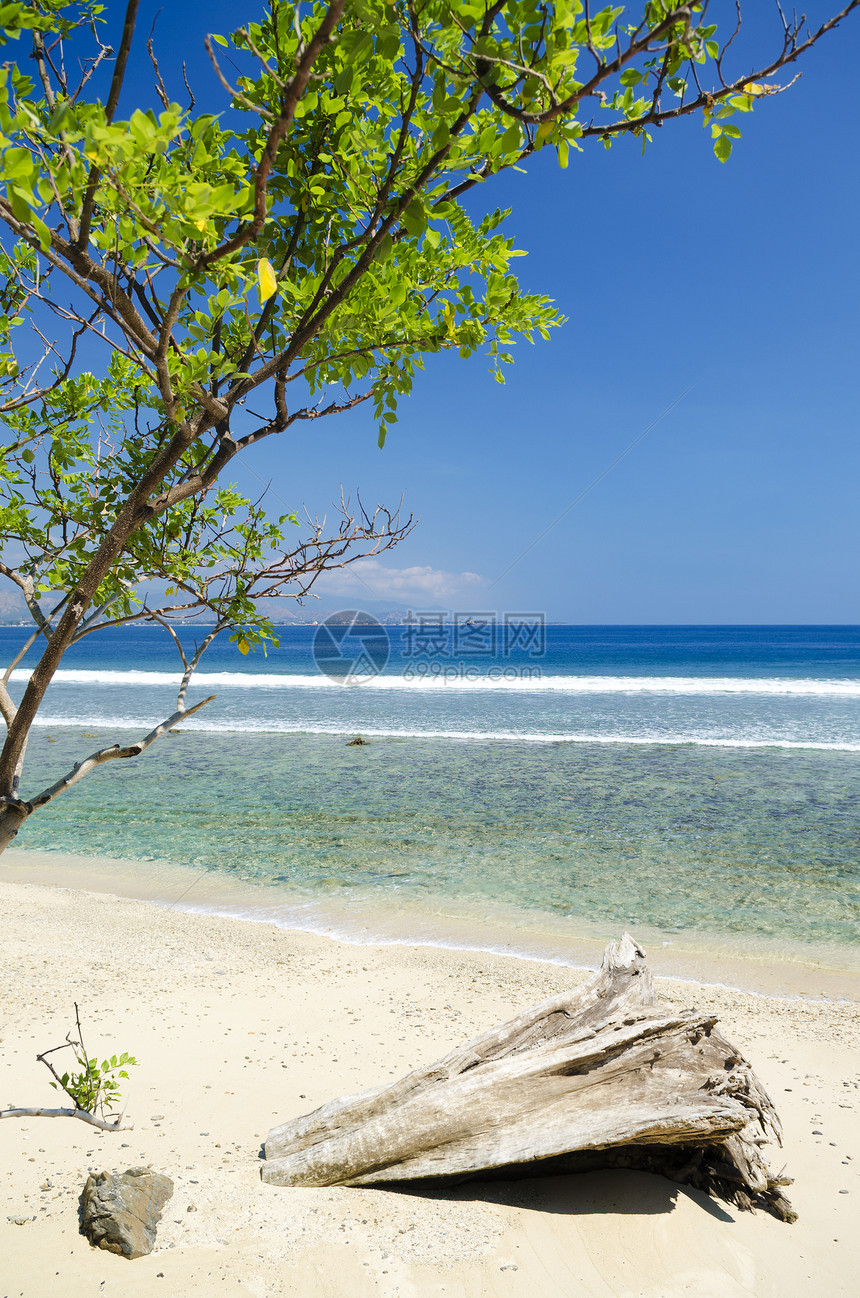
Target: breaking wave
(510,679)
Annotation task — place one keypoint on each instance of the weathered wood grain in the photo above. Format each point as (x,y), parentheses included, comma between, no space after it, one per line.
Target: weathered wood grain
(596,1077)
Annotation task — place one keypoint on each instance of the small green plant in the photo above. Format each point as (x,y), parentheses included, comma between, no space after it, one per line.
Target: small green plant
(95,1087)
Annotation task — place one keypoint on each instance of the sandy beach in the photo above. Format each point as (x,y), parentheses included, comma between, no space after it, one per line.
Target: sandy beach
(238,1026)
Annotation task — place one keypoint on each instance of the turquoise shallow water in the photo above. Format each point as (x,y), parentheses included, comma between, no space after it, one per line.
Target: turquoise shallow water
(757,843)
(672,780)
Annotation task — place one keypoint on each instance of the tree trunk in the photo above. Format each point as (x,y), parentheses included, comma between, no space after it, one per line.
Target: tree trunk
(596,1077)
(13,813)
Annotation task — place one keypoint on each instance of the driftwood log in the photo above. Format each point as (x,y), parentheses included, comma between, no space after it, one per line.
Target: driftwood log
(599,1077)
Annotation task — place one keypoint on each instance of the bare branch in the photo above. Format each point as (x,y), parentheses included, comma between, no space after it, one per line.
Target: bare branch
(101,1123)
(235,94)
(115,752)
(104,53)
(7,707)
(160,88)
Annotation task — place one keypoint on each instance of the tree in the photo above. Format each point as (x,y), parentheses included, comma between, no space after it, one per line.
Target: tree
(313,238)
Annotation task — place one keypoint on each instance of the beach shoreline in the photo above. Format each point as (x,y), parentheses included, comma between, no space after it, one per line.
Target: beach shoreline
(356,917)
(239,1026)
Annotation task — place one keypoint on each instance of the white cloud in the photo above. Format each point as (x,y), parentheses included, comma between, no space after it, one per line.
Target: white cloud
(419,583)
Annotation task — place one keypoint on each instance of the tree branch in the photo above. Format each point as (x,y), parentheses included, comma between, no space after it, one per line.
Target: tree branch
(88,205)
(80,769)
(293,92)
(101,1123)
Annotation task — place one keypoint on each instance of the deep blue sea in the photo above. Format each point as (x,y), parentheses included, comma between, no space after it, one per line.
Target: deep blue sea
(685,778)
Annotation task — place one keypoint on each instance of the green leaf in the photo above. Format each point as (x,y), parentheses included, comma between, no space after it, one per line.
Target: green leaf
(361,49)
(723,148)
(512,140)
(415,218)
(42,231)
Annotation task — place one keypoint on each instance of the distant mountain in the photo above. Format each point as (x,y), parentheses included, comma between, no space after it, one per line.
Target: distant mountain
(283,611)
(287,613)
(12,607)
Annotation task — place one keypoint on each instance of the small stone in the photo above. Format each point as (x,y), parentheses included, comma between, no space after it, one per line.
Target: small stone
(818,1133)
(192,1207)
(121,1212)
(20,1221)
(157,1117)
(511,1266)
(844,1191)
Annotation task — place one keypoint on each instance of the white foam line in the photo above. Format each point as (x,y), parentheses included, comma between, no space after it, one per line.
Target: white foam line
(264,916)
(483,682)
(463,736)
(345,938)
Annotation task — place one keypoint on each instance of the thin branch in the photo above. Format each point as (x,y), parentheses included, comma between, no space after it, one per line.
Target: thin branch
(104,53)
(292,94)
(335,408)
(235,94)
(115,752)
(101,1123)
(191,666)
(160,88)
(88,205)
(193,101)
(156,617)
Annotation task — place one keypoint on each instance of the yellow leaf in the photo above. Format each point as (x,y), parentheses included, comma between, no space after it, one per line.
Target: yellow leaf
(752,88)
(201,225)
(242,644)
(266,279)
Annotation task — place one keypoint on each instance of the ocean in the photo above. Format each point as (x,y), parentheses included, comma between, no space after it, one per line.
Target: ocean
(684,782)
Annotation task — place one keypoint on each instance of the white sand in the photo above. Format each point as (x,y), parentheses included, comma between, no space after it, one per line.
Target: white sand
(239,1026)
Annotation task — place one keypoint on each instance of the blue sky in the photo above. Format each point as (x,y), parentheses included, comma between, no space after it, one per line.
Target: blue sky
(674,270)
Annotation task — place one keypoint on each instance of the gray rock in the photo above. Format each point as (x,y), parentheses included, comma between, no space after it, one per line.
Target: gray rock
(120,1212)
